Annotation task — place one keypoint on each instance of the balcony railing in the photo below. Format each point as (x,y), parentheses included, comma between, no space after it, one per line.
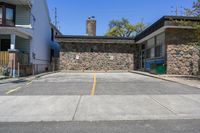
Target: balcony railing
(19,2)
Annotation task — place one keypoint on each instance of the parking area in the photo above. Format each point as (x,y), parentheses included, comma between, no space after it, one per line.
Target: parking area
(97,97)
(98,84)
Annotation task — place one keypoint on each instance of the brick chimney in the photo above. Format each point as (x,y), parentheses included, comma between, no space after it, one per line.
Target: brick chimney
(91,26)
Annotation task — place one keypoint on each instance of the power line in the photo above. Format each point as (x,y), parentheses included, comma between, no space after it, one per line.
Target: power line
(177,10)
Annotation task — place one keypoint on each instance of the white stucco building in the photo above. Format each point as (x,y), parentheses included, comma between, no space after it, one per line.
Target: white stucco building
(26,34)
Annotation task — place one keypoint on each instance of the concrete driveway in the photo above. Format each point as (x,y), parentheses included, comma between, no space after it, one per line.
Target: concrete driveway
(105,84)
(98,97)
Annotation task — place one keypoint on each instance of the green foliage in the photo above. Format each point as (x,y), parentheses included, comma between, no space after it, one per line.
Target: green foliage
(123,28)
(140,27)
(194,11)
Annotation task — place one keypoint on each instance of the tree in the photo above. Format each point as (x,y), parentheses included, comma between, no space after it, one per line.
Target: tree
(140,27)
(123,28)
(195,11)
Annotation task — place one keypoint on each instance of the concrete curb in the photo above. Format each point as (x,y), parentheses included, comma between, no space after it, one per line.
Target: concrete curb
(37,76)
(90,71)
(161,78)
(30,78)
(2,78)
(44,74)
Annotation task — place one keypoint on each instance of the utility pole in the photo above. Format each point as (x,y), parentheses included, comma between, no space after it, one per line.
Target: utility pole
(176,10)
(56,17)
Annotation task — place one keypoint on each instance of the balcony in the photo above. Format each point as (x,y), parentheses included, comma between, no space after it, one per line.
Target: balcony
(15,19)
(18,2)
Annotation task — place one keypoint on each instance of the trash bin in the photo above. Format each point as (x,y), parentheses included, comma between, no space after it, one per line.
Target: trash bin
(161,69)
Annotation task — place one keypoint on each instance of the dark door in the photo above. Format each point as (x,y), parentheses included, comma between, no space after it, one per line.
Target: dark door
(5,44)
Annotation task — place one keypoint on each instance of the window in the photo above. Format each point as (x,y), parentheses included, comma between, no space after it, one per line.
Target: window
(151,42)
(10,16)
(152,52)
(148,53)
(160,39)
(158,51)
(1,15)
(7,14)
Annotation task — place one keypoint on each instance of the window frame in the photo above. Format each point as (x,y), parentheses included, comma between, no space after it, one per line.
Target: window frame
(4,21)
(160,52)
(2,14)
(148,53)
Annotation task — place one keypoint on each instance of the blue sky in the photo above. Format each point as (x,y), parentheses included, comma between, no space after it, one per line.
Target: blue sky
(72,14)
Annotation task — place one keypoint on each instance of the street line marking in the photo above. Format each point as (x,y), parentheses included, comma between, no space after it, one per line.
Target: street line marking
(11,91)
(94,84)
(30,82)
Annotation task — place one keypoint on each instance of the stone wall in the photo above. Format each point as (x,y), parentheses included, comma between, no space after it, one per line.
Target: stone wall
(183,56)
(97,57)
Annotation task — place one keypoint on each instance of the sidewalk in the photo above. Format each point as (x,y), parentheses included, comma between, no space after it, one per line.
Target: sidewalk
(193,81)
(98,108)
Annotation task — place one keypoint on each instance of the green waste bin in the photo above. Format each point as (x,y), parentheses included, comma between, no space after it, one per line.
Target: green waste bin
(161,69)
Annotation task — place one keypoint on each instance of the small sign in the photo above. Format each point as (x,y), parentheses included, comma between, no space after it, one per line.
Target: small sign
(77,57)
(12,46)
(111,57)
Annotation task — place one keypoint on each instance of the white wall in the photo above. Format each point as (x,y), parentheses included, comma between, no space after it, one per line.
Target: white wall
(40,43)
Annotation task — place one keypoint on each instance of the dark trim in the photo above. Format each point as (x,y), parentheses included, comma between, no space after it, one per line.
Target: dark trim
(161,22)
(52,34)
(91,37)
(4,6)
(56,29)
(182,18)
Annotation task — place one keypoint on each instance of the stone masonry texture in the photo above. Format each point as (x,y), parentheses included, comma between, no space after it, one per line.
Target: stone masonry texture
(97,57)
(183,56)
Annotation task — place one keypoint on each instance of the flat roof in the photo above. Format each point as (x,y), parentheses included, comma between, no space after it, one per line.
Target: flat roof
(161,22)
(94,39)
(105,39)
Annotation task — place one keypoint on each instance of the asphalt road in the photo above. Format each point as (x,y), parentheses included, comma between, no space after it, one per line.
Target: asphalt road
(157,126)
(106,84)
